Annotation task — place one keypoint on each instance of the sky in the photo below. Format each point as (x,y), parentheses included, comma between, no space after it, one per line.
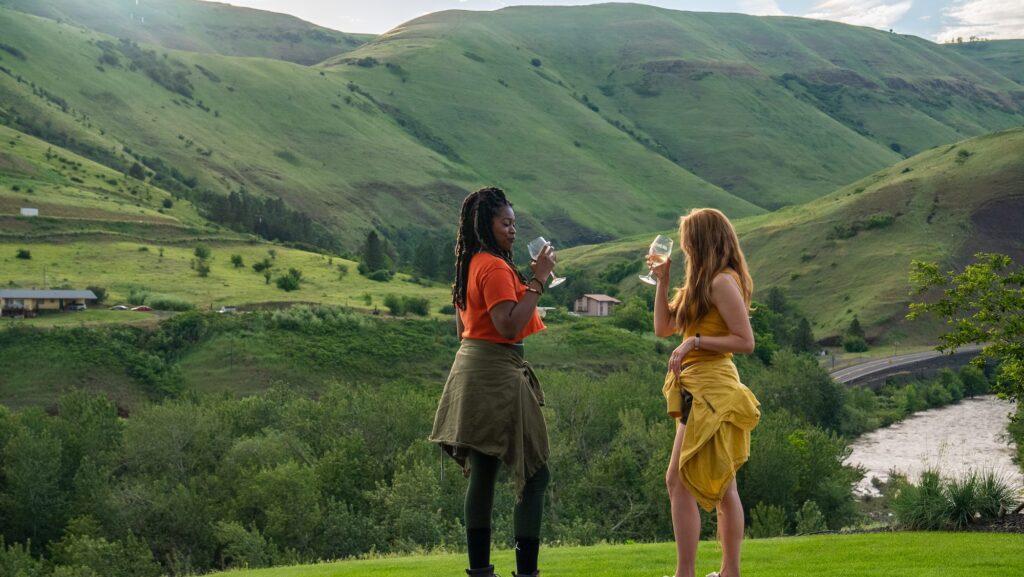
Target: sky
(935,20)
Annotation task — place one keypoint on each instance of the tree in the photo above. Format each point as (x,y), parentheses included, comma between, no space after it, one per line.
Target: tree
(374,257)
(202,251)
(425,259)
(855,329)
(983,304)
(236,261)
(633,315)
(804,341)
(137,172)
(776,300)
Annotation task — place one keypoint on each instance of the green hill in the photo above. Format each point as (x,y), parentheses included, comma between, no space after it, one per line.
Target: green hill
(200,27)
(849,252)
(870,555)
(596,136)
(1004,56)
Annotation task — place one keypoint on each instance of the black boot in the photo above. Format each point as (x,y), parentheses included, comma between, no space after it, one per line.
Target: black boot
(534,574)
(487,571)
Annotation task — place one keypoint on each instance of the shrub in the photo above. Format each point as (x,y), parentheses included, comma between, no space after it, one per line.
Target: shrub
(236,261)
(168,203)
(767,521)
(633,315)
(202,251)
(994,495)
(962,500)
(169,303)
(24,254)
(291,281)
(854,344)
(100,292)
(924,506)
(536,62)
(202,267)
(382,275)
(262,265)
(809,519)
(447,309)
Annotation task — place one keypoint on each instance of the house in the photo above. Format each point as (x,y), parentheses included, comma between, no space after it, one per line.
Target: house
(28,303)
(595,305)
(30,212)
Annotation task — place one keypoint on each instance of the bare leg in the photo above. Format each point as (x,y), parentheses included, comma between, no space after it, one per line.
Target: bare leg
(730,531)
(685,515)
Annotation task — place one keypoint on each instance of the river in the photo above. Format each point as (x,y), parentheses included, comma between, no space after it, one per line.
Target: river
(953,439)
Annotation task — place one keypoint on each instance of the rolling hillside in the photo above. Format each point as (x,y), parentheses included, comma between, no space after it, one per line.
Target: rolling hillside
(1003,56)
(596,136)
(849,252)
(200,27)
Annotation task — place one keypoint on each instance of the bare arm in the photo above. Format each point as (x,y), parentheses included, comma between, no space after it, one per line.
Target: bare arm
(459,327)
(726,296)
(664,324)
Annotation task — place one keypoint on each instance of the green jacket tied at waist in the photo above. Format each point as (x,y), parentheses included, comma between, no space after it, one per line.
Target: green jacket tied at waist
(492,404)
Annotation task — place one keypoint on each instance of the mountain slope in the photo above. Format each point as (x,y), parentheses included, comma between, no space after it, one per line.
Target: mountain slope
(200,26)
(849,252)
(1003,56)
(594,135)
(775,110)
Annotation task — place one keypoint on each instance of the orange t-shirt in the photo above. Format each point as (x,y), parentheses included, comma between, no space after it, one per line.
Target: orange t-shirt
(492,281)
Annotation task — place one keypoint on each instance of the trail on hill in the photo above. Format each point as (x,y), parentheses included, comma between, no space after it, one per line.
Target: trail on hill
(954,439)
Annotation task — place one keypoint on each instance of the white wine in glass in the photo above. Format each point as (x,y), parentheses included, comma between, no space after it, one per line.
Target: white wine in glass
(536,245)
(659,252)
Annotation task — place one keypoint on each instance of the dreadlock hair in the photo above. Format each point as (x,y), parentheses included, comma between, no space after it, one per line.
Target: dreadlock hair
(476,234)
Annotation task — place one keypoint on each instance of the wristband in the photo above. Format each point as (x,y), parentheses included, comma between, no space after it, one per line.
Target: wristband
(539,283)
(530,289)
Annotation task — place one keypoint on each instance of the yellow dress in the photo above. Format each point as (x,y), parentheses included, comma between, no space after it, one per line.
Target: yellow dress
(717,440)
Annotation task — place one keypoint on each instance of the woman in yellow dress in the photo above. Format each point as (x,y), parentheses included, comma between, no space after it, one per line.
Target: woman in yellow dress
(715,412)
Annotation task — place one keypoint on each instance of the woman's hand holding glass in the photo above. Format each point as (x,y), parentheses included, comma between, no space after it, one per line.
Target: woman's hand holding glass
(543,264)
(658,257)
(536,248)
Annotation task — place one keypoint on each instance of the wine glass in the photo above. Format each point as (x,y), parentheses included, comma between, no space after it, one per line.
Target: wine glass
(659,252)
(536,245)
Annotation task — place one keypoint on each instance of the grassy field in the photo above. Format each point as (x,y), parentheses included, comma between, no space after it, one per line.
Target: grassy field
(125,266)
(870,555)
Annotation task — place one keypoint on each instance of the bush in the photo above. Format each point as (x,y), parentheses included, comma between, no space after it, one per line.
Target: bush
(633,315)
(767,521)
(536,62)
(995,495)
(382,275)
(447,309)
(809,519)
(291,281)
(236,261)
(202,251)
(24,254)
(168,203)
(923,507)
(100,292)
(854,344)
(202,267)
(262,265)
(169,303)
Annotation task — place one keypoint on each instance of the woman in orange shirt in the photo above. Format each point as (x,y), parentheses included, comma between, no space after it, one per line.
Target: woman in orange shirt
(715,412)
(489,412)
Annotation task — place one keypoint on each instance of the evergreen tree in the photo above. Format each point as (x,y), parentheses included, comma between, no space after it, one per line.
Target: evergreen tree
(425,260)
(374,258)
(804,341)
(776,300)
(855,330)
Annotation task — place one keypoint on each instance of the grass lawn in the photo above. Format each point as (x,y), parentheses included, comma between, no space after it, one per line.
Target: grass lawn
(866,555)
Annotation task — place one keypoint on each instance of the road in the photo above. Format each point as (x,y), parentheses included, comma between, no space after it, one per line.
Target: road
(891,364)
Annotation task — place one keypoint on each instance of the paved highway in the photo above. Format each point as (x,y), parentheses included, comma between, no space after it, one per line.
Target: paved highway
(891,364)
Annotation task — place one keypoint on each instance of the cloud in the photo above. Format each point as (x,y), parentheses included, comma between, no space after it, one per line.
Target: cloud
(990,19)
(761,8)
(874,13)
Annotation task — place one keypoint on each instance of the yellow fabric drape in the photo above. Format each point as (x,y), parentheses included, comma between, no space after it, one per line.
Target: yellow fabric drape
(717,440)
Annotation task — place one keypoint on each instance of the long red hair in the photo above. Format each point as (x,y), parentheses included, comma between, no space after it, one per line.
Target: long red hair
(709,242)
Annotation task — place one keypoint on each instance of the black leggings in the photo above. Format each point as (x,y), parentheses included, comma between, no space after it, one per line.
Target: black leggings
(480,497)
